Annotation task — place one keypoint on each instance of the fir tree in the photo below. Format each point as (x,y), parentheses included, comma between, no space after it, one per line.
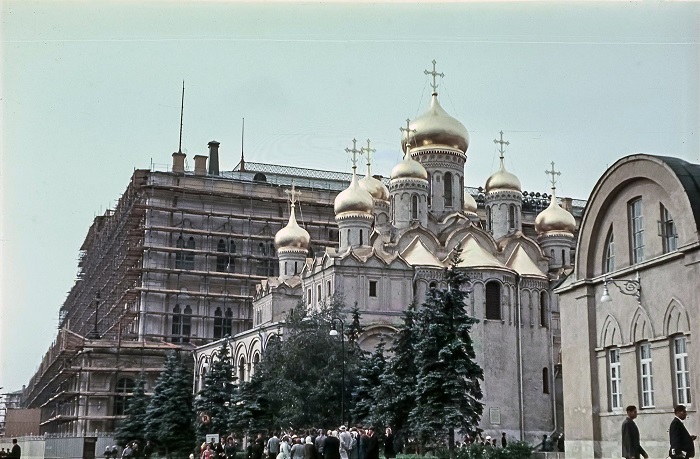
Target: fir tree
(395,395)
(448,391)
(365,394)
(212,402)
(170,414)
(355,329)
(133,427)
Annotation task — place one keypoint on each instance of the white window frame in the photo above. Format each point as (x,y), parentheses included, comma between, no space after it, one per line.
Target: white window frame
(615,379)
(636,222)
(681,371)
(646,376)
(609,256)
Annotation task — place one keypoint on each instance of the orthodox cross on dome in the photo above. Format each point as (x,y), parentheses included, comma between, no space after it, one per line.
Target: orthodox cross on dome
(354,151)
(435,74)
(293,195)
(408,131)
(368,151)
(502,149)
(553,173)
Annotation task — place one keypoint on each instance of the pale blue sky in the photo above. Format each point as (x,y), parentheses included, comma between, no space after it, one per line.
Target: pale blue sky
(91,90)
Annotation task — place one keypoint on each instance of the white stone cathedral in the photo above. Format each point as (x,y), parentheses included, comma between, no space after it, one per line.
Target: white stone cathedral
(394,244)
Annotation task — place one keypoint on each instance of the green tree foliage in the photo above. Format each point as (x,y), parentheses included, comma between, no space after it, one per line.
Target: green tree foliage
(448,390)
(133,427)
(395,395)
(355,328)
(299,379)
(366,408)
(213,400)
(170,414)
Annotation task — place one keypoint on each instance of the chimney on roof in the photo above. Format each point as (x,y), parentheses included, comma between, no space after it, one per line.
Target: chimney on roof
(213,157)
(200,165)
(568,204)
(179,162)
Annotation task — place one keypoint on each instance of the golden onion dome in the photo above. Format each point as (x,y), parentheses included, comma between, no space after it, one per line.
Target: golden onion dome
(375,187)
(469,203)
(353,199)
(502,180)
(436,127)
(554,219)
(409,168)
(292,236)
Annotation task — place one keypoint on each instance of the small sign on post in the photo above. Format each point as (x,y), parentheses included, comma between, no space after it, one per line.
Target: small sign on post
(212,438)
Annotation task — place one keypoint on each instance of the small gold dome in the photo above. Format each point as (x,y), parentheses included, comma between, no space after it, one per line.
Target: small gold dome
(469,203)
(292,236)
(353,199)
(502,180)
(436,127)
(409,168)
(554,219)
(374,187)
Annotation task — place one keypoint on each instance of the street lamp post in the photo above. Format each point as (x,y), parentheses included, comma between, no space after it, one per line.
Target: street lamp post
(334,332)
(631,287)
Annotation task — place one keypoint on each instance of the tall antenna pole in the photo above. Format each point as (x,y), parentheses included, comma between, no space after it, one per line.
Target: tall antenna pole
(242,138)
(182,111)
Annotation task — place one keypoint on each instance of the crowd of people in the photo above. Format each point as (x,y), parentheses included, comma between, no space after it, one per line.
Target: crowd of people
(343,443)
(14,453)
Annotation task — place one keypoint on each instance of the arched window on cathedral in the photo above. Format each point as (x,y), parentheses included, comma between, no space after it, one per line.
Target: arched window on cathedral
(493,300)
(488,218)
(218,324)
(447,184)
(543,309)
(563,257)
(121,400)
(609,255)
(362,242)
(176,328)
(511,217)
(414,207)
(221,260)
(461,192)
(545,380)
(430,188)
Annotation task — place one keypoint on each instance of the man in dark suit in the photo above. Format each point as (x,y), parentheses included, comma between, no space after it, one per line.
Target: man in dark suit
(682,445)
(631,449)
(373,446)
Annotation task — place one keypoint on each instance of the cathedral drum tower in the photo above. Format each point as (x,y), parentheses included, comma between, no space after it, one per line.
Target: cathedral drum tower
(439,142)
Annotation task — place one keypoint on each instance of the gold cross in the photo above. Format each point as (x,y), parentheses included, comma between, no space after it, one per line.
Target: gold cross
(293,195)
(435,75)
(353,151)
(501,149)
(368,151)
(553,173)
(408,131)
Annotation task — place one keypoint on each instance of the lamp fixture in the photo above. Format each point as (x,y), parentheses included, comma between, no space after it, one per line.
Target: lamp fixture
(632,287)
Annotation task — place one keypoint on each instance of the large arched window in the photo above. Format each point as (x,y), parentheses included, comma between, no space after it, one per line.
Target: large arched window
(189,257)
(543,309)
(228,322)
(493,300)
(179,256)
(447,184)
(181,324)
(218,324)
(124,389)
(414,207)
(667,231)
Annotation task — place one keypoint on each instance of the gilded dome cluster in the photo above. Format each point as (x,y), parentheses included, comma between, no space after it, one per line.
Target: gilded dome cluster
(469,206)
(436,127)
(554,219)
(292,236)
